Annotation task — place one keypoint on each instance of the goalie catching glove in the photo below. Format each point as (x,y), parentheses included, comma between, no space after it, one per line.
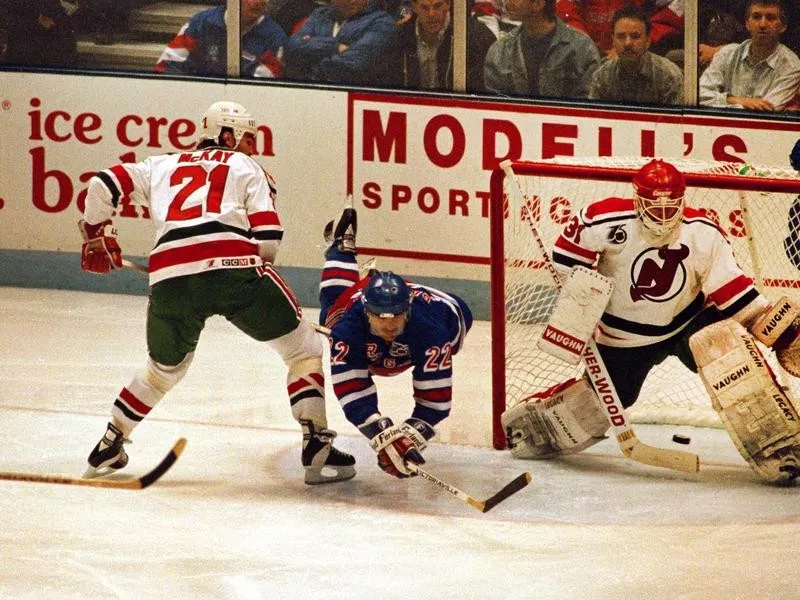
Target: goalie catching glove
(100,251)
(397,445)
(779,329)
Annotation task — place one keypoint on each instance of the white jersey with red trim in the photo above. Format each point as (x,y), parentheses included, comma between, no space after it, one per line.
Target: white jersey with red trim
(661,284)
(212,208)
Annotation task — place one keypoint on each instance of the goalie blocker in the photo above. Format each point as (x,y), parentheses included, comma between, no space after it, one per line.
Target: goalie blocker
(761,419)
(579,307)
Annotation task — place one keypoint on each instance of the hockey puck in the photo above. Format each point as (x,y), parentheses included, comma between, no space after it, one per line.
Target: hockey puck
(681,439)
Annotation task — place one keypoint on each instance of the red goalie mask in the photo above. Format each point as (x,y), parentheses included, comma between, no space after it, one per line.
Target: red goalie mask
(659,196)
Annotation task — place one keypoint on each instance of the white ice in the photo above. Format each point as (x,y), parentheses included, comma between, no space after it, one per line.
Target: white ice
(234,520)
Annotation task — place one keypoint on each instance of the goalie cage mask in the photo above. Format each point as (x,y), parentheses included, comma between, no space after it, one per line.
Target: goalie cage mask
(224,114)
(659,190)
(386,295)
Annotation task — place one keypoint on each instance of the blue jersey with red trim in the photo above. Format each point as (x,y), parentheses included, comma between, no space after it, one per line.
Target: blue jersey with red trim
(434,333)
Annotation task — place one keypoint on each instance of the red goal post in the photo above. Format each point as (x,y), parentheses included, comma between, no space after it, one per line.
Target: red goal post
(758,207)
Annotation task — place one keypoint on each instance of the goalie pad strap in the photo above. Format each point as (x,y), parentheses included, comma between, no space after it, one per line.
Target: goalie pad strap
(578,310)
(761,419)
(775,321)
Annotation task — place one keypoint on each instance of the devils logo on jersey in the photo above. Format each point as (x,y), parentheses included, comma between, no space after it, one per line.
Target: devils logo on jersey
(658,274)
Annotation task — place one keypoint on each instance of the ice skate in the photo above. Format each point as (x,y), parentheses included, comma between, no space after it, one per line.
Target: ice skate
(322,462)
(342,231)
(108,455)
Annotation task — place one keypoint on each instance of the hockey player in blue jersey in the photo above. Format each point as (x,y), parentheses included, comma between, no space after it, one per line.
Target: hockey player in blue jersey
(382,324)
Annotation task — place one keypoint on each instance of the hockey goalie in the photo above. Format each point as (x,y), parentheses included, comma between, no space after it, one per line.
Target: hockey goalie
(647,278)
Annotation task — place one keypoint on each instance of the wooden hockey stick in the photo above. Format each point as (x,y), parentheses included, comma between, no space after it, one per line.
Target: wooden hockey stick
(137,483)
(629,443)
(507,491)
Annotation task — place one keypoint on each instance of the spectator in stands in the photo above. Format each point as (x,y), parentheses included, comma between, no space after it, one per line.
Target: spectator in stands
(426,42)
(39,34)
(201,46)
(347,42)
(291,14)
(542,56)
(635,74)
(719,23)
(758,74)
(594,17)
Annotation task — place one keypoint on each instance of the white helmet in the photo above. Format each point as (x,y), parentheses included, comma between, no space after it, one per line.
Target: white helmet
(226,114)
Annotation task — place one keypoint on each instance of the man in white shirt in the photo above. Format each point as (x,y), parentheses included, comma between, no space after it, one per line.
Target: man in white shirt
(758,74)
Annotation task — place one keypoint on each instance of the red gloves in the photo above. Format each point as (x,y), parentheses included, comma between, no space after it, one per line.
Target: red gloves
(393,447)
(100,251)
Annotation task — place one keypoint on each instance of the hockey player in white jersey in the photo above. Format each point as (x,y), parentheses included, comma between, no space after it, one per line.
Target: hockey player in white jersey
(217,234)
(674,274)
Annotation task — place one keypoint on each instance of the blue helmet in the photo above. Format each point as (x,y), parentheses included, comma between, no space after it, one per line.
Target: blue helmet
(794,157)
(386,294)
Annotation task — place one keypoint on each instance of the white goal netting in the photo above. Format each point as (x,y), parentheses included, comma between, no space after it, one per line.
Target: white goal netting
(758,208)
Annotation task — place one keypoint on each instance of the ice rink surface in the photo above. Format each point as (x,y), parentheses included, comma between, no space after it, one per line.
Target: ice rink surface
(234,520)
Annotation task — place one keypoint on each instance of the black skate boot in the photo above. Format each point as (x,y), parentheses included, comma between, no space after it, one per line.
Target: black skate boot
(108,455)
(319,455)
(342,231)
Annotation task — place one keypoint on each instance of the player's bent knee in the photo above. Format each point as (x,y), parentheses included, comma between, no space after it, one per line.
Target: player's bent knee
(302,342)
(165,377)
(761,419)
(303,366)
(564,419)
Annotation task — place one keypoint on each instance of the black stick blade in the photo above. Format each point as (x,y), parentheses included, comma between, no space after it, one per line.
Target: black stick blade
(164,466)
(509,490)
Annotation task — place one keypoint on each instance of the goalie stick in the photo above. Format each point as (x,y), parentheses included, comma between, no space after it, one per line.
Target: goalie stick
(507,490)
(629,443)
(137,483)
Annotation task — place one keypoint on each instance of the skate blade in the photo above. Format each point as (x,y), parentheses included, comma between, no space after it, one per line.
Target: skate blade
(92,473)
(317,475)
(368,268)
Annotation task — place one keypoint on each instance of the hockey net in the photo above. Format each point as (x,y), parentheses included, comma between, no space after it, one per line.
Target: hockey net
(758,208)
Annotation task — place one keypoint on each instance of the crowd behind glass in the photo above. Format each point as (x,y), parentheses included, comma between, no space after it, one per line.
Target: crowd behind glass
(619,51)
